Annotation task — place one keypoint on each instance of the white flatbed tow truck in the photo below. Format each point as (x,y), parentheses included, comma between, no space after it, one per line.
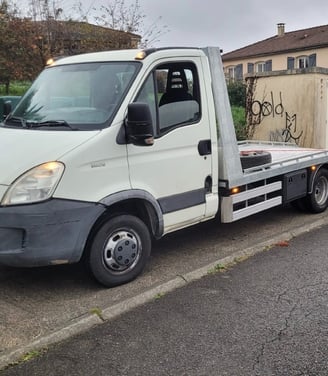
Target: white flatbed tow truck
(109,150)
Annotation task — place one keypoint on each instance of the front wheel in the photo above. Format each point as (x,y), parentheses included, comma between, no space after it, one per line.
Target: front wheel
(120,250)
(317,201)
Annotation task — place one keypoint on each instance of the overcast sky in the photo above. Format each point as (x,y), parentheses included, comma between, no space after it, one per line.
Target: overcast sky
(231,24)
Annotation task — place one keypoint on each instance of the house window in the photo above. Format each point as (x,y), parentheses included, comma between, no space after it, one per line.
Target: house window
(230,72)
(263,66)
(303,62)
(250,68)
(234,72)
(290,62)
(260,67)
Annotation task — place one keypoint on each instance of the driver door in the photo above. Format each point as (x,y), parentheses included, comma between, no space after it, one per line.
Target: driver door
(177,168)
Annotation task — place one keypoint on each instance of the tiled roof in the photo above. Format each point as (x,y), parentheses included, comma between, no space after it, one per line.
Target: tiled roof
(305,39)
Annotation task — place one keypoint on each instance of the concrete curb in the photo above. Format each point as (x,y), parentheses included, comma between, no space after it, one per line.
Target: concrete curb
(90,320)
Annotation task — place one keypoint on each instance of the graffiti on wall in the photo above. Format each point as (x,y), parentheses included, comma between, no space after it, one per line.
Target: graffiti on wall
(263,109)
(274,107)
(289,133)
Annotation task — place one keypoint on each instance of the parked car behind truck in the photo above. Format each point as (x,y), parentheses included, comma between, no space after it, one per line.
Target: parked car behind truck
(108,150)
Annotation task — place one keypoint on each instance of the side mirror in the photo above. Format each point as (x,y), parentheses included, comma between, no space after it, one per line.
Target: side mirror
(7,107)
(139,124)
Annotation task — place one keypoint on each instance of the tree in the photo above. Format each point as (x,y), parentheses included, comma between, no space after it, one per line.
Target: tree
(43,10)
(4,44)
(46,15)
(17,55)
(119,15)
(29,38)
(237,97)
(237,93)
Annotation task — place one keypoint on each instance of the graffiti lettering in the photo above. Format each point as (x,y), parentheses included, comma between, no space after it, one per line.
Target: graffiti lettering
(290,132)
(267,108)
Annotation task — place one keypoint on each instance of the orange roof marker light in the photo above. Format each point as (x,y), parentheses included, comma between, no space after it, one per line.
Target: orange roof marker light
(50,61)
(53,59)
(141,55)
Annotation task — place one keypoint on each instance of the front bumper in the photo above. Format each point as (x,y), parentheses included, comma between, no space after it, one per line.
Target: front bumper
(51,232)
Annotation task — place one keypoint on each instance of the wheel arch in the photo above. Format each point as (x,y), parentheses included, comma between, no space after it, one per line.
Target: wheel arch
(313,175)
(134,202)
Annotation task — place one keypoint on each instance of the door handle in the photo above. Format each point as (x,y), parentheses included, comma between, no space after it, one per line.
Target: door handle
(204,147)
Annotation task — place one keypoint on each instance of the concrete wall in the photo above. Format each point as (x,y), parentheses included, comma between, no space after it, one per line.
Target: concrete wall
(290,106)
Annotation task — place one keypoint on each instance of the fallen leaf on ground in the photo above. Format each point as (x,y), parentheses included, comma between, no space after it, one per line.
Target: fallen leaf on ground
(282,243)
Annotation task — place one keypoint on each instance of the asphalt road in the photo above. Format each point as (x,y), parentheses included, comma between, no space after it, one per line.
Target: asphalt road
(266,315)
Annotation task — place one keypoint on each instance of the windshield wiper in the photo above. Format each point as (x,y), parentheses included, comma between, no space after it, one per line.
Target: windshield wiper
(15,119)
(49,123)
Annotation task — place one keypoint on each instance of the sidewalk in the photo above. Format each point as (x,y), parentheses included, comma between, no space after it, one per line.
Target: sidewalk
(39,307)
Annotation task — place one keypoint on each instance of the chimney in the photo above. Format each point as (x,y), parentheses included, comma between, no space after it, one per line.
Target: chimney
(281,29)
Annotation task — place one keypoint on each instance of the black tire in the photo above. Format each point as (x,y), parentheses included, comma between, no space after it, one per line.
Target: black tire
(317,201)
(254,158)
(119,250)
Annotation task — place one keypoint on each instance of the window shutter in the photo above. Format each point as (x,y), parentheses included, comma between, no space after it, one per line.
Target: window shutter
(239,72)
(250,68)
(290,63)
(313,60)
(268,66)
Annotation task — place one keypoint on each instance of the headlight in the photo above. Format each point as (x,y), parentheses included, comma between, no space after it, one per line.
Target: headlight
(34,185)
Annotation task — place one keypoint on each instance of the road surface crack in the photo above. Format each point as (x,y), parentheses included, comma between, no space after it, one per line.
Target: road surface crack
(276,338)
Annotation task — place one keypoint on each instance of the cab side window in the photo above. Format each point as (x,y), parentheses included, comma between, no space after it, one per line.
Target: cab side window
(172,92)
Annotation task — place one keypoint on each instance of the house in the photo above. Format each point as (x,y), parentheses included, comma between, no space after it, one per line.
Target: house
(286,50)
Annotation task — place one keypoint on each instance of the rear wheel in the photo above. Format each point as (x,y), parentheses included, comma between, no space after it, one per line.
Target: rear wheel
(119,250)
(317,201)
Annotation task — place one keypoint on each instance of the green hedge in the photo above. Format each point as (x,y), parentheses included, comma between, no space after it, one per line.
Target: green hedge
(239,120)
(15,88)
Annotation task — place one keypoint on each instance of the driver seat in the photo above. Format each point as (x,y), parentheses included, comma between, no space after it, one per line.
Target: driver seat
(176,88)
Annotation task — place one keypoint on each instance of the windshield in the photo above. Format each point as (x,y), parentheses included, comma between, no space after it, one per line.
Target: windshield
(77,96)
